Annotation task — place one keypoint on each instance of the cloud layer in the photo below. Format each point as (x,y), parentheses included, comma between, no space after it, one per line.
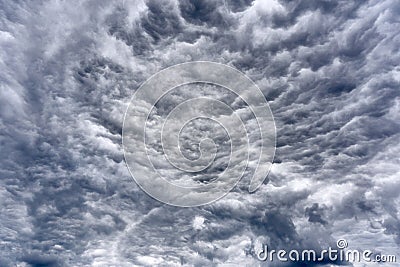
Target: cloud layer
(329,70)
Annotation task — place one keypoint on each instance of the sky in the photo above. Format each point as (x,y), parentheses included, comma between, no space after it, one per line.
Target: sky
(328,69)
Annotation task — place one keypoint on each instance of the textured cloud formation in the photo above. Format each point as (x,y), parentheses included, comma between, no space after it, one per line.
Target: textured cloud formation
(329,69)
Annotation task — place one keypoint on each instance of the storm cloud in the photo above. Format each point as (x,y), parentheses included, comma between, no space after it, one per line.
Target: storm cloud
(329,69)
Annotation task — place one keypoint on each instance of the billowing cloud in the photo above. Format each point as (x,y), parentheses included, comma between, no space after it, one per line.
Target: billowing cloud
(329,70)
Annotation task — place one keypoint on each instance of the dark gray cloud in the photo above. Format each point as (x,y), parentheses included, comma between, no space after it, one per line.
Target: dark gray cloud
(68,69)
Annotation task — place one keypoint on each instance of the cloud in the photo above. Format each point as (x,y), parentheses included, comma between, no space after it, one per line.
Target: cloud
(329,69)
